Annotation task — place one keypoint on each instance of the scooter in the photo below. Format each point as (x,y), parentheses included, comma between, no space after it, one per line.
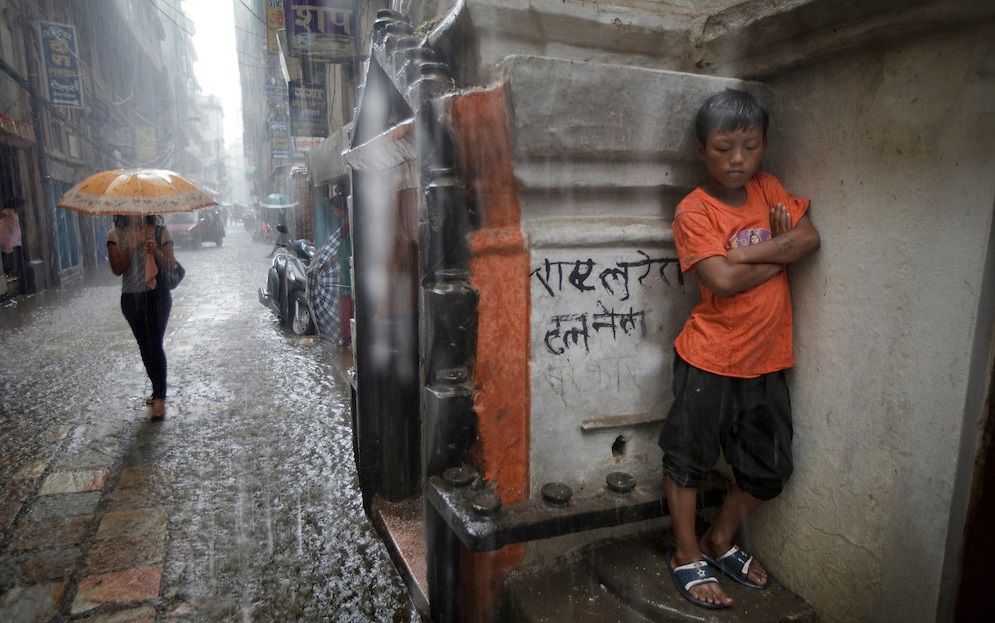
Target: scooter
(286,283)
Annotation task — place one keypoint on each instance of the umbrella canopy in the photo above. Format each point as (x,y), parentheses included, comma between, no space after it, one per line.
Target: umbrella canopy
(135,192)
(276,200)
(325,290)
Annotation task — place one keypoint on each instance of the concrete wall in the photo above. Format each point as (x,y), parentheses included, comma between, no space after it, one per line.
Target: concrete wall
(601,156)
(895,149)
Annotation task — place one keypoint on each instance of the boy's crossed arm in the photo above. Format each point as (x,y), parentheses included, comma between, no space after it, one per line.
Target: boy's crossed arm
(749,266)
(788,244)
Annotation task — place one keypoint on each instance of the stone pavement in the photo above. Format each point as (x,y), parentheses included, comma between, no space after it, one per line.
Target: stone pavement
(88,528)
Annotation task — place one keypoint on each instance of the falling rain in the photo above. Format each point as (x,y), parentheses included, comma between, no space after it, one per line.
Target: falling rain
(496,310)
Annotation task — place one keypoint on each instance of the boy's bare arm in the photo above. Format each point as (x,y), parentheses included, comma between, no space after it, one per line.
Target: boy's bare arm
(788,245)
(725,278)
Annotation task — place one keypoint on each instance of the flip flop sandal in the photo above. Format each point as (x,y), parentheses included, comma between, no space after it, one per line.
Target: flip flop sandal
(688,576)
(736,564)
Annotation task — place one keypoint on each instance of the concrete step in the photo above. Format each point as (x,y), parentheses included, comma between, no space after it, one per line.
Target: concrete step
(626,580)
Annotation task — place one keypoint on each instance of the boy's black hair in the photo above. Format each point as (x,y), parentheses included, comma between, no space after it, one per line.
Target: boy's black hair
(727,111)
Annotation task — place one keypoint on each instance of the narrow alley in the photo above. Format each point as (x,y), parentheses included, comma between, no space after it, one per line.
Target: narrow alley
(242,504)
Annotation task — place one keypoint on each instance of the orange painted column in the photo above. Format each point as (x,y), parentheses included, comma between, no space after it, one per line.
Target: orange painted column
(499,270)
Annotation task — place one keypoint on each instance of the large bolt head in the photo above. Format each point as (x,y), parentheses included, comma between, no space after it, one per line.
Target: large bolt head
(621,482)
(486,503)
(556,493)
(459,476)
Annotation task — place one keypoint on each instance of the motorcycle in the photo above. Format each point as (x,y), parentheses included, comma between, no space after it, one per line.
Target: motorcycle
(286,283)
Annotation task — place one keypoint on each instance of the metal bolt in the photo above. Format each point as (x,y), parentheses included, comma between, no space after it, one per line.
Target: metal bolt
(452,376)
(486,503)
(394,15)
(459,476)
(621,482)
(556,493)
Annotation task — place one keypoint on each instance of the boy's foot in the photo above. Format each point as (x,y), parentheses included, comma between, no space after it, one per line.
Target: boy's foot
(157,409)
(735,563)
(696,582)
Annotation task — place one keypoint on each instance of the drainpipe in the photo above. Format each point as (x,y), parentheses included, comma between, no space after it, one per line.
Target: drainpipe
(48,242)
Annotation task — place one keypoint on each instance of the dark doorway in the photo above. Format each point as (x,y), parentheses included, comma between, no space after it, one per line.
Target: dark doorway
(975,599)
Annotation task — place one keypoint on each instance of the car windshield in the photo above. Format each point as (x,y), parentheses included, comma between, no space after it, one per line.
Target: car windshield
(181,217)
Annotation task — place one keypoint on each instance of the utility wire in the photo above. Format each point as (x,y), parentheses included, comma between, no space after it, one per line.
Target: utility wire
(158,8)
(247,8)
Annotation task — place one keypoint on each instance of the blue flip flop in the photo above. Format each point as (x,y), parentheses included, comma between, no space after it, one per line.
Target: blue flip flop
(688,576)
(736,564)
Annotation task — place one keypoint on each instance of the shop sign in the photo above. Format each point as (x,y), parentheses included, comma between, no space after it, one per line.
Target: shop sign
(146,148)
(321,30)
(119,137)
(304,144)
(276,91)
(279,139)
(308,110)
(63,79)
(274,22)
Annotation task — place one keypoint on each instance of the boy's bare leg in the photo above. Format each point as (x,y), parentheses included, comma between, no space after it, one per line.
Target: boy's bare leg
(682,502)
(718,538)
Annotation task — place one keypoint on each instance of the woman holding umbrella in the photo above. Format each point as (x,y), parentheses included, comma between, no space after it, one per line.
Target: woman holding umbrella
(139,250)
(136,246)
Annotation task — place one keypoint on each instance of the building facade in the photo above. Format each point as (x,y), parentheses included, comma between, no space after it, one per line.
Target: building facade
(102,85)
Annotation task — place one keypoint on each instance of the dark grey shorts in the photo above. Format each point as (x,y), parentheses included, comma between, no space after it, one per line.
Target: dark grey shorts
(748,420)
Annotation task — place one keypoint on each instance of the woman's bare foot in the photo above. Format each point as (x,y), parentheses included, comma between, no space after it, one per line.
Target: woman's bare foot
(756,574)
(157,409)
(709,592)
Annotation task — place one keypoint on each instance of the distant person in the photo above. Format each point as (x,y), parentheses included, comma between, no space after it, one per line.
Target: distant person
(10,238)
(283,238)
(136,247)
(737,232)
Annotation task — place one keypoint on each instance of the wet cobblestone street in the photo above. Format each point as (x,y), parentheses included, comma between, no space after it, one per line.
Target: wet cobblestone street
(241,505)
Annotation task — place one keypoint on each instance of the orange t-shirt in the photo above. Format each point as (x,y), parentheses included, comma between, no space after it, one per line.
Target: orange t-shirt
(749,333)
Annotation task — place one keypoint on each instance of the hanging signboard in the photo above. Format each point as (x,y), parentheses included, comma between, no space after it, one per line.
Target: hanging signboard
(276,91)
(308,110)
(60,61)
(145,144)
(274,22)
(321,30)
(304,144)
(279,139)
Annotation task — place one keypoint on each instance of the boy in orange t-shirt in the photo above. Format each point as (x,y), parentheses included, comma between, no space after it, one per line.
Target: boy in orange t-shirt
(737,232)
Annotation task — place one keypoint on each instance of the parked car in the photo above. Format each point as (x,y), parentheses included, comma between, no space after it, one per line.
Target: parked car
(192,229)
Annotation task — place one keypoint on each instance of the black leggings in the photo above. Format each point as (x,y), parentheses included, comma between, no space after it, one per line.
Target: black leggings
(147,313)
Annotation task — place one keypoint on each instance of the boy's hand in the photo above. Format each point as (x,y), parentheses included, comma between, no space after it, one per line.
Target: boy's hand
(780,220)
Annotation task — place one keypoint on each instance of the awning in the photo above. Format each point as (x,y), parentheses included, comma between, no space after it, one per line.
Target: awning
(17,133)
(325,160)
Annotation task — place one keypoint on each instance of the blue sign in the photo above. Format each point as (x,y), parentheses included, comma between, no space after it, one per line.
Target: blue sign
(63,78)
(321,30)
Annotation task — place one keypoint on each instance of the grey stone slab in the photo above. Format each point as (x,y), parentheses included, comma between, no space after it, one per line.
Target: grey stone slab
(31,604)
(64,505)
(592,111)
(635,572)
(40,566)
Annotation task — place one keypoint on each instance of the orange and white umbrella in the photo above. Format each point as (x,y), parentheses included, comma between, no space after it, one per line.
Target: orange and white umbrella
(135,192)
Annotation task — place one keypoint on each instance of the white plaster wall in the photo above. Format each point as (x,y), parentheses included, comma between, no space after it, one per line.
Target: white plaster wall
(601,355)
(895,148)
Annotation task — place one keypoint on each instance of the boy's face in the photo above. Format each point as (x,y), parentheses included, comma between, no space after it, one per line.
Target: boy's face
(733,157)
